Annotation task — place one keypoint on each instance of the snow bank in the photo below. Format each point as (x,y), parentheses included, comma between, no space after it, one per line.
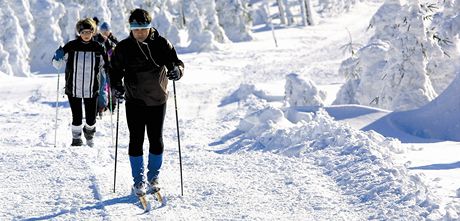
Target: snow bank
(249,91)
(427,122)
(361,163)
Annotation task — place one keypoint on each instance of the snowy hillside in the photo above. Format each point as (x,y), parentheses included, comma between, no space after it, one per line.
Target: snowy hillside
(260,137)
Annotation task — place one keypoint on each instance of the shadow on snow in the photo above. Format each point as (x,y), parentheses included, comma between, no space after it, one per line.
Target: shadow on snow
(64,104)
(440,166)
(98,206)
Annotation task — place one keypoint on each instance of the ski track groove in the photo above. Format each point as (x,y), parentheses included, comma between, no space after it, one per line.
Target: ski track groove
(46,175)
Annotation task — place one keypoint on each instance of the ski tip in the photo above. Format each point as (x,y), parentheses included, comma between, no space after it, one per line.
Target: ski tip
(148,208)
(145,204)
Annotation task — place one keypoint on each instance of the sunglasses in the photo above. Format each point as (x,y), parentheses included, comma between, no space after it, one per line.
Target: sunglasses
(86,32)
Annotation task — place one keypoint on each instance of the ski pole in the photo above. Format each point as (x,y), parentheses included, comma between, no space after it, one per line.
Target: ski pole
(178,141)
(116,146)
(110,107)
(57,110)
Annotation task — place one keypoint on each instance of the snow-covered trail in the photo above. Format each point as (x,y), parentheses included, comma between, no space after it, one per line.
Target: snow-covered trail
(41,182)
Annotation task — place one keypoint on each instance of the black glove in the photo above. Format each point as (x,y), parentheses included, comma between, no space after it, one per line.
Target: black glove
(174,74)
(118,92)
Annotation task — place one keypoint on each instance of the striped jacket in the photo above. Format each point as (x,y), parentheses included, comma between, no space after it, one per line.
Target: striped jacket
(84,62)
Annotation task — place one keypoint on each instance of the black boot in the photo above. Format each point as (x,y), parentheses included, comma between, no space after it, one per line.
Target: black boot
(76,136)
(76,142)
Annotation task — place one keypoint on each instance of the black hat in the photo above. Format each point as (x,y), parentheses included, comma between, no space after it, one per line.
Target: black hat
(140,17)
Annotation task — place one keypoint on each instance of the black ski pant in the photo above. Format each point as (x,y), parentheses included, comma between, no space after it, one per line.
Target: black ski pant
(77,110)
(139,118)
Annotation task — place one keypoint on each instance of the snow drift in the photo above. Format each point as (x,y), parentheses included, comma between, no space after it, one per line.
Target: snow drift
(439,119)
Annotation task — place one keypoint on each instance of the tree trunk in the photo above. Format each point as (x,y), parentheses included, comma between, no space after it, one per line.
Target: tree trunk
(303,12)
(289,15)
(308,13)
(282,13)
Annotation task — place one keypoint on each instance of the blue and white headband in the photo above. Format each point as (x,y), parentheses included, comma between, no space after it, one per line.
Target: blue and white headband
(135,25)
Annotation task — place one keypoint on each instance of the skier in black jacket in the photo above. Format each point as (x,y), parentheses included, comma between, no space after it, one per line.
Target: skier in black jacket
(106,38)
(142,61)
(85,57)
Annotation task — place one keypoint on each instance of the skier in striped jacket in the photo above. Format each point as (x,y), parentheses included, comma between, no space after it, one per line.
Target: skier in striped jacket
(84,59)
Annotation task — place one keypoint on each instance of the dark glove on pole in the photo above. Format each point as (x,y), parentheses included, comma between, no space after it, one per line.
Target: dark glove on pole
(175,74)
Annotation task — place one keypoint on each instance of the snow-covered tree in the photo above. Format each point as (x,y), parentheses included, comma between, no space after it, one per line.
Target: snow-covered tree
(163,22)
(22,7)
(390,72)
(259,13)
(68,21)
(119,19)
(46,16)
(335,7)
(5,66)
(205,23)
(445,29)
(15,47)
(302,92)
(207,13)
(201,38)
(234,19)
(430,124)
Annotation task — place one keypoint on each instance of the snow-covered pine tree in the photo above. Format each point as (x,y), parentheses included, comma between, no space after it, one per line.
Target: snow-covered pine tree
(327,8)
(68,21)
(390,71)
(208,16)
(234,18)
(23,8)
(15,48)
(200,38)
(5,67)
(445,29)
(163,22)
(46,17)
(5,19)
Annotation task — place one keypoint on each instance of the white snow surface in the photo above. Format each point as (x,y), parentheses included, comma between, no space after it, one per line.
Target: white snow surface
(246,155)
